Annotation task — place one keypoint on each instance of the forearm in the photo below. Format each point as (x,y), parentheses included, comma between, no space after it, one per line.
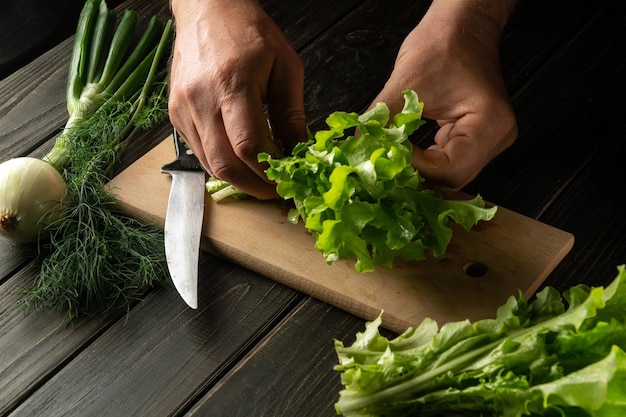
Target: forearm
(484,19)
(182,9)
(495,11)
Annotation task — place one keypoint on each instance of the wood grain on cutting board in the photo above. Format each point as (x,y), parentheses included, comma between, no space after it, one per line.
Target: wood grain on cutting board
(510,253)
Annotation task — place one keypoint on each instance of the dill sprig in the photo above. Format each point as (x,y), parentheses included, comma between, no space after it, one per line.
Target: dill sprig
(97,257)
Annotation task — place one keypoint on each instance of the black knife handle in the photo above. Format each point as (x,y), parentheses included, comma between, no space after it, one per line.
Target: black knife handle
(185,158)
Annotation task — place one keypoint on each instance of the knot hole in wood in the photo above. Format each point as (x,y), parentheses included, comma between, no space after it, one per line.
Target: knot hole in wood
(475,269)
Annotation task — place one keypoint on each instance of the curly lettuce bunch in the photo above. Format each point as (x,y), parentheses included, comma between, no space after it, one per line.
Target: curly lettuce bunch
(359,194)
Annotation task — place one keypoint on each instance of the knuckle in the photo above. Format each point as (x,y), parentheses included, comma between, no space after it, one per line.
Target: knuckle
(223,172)
(244,146)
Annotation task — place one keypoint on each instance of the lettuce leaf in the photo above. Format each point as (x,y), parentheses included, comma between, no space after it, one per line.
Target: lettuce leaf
(555,356)
(360,196)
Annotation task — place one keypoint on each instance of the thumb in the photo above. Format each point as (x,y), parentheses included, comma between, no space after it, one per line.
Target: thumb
(453,161)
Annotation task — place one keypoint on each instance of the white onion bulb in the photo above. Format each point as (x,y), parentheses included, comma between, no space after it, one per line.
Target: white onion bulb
(31,197)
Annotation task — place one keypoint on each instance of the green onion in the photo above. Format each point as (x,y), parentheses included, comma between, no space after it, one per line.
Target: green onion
(96,75)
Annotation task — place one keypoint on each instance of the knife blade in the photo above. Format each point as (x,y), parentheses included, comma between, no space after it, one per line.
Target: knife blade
(183,221)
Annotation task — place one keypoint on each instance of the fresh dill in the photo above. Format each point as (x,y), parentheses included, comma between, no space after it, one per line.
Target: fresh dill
(97,257)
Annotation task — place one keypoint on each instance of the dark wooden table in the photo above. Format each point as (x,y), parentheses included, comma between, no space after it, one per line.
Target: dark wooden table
(258,348)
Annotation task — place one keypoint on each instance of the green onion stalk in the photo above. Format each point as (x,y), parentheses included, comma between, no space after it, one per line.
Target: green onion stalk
(93,257)
(96,76)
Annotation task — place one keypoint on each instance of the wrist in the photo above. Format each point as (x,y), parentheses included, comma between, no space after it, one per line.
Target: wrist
(180,7)
(485,17)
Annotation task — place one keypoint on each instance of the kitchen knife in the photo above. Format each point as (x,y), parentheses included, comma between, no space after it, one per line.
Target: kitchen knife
(183,221)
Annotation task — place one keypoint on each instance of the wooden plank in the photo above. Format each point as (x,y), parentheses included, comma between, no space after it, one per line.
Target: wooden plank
(536,31)
(296,358)
(35,344)
(518,253)
(302,22)
(597,220)
(347,66)
(158,360)
(11,256)
(33,106)
(26,27)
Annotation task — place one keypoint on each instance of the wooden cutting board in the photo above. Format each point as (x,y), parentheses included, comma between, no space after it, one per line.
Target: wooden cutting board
(481,269)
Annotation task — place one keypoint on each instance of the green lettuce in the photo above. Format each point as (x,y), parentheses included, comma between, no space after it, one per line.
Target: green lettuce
(360,195)
(559,355)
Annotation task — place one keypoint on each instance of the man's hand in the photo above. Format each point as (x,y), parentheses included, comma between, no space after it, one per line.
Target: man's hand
(229,61)
(451,60)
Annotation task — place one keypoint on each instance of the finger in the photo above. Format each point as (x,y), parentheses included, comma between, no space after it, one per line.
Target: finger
(227,166)
(191,137)
(285,104)
(184,125)
(453,161)
(437,166)
(204,132)
(181,102)
(247,129)
(241,133)
(442,136)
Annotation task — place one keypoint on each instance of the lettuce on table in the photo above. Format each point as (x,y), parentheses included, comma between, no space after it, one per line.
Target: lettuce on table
(541,358)
(360,196)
